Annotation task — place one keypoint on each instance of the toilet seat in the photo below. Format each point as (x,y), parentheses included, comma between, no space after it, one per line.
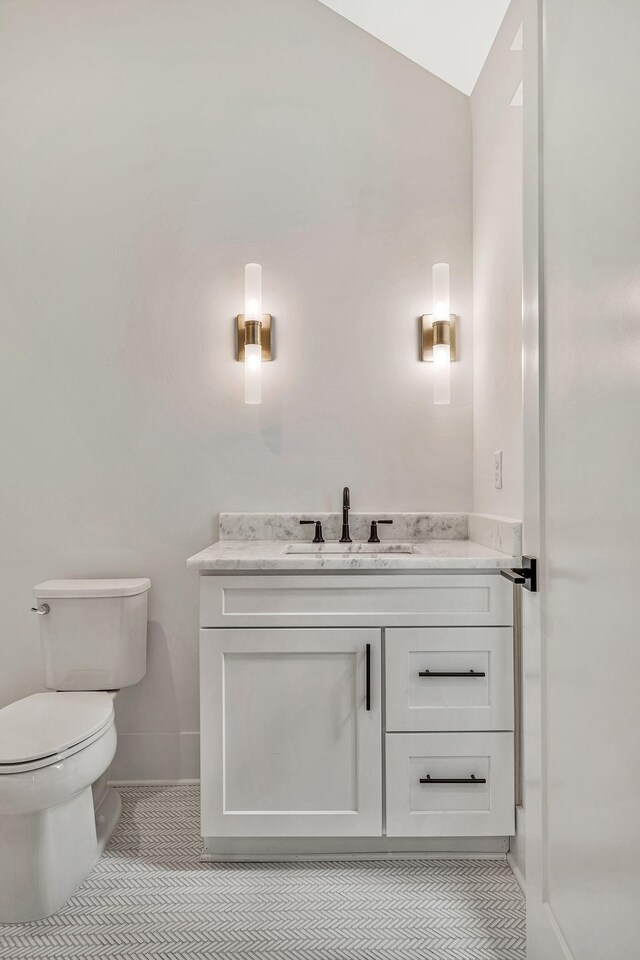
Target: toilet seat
(46,728)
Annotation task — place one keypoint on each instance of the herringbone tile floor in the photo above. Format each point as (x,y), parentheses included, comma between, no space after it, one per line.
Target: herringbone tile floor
(149,898)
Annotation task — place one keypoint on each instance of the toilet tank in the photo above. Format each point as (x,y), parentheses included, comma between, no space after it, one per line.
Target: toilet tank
(94,633)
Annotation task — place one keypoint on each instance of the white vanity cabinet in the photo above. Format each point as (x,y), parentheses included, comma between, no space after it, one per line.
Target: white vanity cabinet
(359,705)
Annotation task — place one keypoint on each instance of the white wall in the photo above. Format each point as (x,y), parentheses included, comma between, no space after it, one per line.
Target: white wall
(497,275)
(151,149)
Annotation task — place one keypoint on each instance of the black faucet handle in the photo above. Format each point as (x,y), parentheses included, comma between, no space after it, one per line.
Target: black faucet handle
(373,536)
(317,536)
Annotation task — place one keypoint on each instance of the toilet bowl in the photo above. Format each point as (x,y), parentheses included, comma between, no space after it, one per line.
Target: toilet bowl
(53,748)
(56,811)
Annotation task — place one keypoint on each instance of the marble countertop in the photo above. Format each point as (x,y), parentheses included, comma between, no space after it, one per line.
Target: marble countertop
(258,555)
(412,542)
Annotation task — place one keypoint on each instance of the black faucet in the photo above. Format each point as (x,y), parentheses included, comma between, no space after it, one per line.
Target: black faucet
(346,503)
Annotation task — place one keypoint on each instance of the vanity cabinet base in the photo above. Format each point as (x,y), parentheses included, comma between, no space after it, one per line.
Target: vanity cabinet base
(283,849)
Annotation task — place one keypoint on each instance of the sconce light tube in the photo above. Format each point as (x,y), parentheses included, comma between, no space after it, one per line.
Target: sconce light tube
(252,331)
(441,366)
(253,291)
(252,373)
(441,307)
(441,335)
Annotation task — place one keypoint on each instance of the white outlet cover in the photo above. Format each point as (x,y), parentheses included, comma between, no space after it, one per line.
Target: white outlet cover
(497,469)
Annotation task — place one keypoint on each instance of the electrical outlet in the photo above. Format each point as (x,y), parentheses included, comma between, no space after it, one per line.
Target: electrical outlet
(497,469)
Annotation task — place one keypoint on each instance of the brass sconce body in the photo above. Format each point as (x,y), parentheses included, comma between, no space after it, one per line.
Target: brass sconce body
(442,331)
(254,331)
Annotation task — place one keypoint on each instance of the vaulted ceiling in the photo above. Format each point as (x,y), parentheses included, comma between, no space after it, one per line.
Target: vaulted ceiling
(450,38)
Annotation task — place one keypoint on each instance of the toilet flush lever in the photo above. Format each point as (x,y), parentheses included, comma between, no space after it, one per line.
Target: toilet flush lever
(41,610)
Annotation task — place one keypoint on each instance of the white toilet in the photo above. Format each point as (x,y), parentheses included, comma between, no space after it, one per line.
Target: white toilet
(56,811)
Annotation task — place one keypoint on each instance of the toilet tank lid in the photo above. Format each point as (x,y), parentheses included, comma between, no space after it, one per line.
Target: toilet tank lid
(51,589)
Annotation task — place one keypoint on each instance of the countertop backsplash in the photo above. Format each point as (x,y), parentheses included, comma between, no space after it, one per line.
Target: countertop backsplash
(495,532)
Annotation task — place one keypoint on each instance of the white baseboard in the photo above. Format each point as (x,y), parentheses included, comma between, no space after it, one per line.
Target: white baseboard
(517,857)
(333,857)
(276,849)
(511,860)
(159,757)
(563,946)
(153,783)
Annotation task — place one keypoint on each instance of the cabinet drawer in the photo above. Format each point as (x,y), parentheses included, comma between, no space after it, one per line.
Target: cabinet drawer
(449,678)
(429,599)
(482,804)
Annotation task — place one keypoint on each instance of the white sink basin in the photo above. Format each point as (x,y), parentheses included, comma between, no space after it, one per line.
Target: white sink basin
(349,549)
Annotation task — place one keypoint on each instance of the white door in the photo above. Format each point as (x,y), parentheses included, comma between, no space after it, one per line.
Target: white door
(582,469)
(291,732)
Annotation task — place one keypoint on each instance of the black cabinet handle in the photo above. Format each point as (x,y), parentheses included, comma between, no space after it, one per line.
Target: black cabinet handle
(471,779)
(525,576)
(367,695)
(317,537)
(446,673)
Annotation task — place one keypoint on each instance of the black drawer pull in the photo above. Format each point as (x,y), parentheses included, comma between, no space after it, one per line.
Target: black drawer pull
(368,676)
(446,673)
(471,779)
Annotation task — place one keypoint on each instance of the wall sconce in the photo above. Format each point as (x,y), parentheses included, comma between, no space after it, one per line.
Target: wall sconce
(438,341)
(253,334)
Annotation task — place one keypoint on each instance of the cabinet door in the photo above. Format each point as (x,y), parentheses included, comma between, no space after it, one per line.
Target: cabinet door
(290,741)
